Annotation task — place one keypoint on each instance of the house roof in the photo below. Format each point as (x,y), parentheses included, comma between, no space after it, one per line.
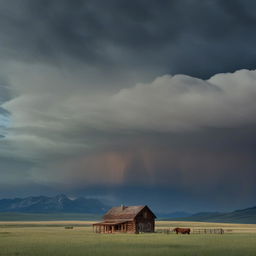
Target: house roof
(124,212)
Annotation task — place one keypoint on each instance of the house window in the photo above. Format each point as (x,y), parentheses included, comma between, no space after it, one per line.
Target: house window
(145,215)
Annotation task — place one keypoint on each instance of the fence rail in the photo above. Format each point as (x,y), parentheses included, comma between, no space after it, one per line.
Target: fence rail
(208,231)
(163,231)
(194,231)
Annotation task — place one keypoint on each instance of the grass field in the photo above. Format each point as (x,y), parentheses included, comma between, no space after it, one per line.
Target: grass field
(50,238)
(19,216)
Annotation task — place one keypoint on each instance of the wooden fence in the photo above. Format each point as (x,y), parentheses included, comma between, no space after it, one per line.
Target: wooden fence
(163,231)
(207,231)
(194,231)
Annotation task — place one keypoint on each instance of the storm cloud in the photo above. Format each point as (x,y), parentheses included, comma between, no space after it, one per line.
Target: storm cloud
(187,37)
(116,98)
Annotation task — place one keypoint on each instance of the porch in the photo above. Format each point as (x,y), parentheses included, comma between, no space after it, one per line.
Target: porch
(111,227)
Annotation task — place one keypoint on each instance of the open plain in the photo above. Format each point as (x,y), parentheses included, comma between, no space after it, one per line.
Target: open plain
(51,238)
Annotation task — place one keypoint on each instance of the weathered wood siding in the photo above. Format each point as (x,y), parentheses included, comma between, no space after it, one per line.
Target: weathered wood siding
(131,227)
(145,221)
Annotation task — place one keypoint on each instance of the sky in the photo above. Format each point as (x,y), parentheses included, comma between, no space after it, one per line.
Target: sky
(132,102)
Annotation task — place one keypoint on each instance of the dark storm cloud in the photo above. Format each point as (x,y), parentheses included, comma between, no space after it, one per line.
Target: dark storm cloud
(165,36)
(178,131)
(89,103)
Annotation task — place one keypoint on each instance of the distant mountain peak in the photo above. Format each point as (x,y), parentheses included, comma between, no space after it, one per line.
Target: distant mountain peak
(61,196)
(58,203)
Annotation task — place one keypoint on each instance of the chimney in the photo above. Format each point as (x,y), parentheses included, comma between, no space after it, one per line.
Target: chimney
(122,207)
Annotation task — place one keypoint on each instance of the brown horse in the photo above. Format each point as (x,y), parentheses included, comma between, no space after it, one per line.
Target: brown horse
(182,230)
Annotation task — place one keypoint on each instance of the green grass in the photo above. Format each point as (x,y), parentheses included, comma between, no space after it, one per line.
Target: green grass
(57,241)
(13,216)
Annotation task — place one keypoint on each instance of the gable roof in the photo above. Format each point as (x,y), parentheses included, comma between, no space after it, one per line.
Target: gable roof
(125,212)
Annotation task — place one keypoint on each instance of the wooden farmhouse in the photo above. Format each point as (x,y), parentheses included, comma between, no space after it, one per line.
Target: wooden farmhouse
(127,219)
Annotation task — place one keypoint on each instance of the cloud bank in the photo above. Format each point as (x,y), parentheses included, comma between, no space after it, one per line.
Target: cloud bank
(180,102)
(125,97)
(101,138)
(167,104)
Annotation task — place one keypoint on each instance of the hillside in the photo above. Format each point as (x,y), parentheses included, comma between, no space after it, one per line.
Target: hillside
(247,215)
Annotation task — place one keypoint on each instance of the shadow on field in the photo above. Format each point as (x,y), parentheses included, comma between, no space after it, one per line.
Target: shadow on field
(11,254)
(4,233)
(169,245)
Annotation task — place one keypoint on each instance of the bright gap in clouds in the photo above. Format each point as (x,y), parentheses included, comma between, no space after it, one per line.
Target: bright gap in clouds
(4,122)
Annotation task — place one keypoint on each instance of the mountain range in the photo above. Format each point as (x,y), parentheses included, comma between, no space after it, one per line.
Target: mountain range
(57,204)
(62,207)
(247,215)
